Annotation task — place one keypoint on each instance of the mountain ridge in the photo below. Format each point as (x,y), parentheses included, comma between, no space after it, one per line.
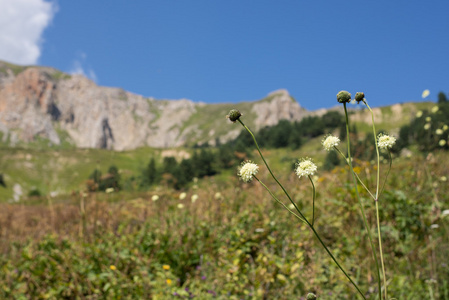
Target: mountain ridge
(42,102)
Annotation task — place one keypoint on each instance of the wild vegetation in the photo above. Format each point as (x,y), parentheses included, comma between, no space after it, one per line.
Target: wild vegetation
(212,236)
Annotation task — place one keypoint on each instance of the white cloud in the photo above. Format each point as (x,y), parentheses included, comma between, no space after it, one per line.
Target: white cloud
(78,68)
(22,23)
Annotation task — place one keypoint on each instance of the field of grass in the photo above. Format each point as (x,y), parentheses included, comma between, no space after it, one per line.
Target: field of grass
(233,242)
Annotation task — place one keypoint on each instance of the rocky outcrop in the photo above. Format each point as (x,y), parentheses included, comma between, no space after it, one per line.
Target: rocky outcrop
(279,105)
(39,102)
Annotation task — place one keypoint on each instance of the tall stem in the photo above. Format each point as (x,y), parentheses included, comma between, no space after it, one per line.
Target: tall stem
(360,203)
(269,170)
(377,200)
(300,213)
(313,201)
(358,178)
(279,201)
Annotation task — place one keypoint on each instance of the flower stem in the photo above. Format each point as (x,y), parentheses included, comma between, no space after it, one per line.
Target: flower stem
(269,170)
(377,200)
(361,204)
(300,213)
(280,202)
(313,202)
(388,172)
(358,178)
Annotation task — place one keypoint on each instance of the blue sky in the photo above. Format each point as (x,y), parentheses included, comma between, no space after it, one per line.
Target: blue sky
(231,51)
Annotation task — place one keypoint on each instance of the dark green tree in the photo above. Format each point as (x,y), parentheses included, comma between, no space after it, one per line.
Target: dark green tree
(442,98)
(331,161)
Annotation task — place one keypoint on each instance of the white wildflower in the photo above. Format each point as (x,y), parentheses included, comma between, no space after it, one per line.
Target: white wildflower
(425,93)
(445,127)
(194,198)
(109,190)
(434,226)
(439,131)
(305,168)
(443,178)
(442,143)
(435,109)
(419,114)
(248,170)
(445,213)
(428,119)
(385,141)
(330,142)
(182,196)
(427,126)
(180,206)
(218,196)
(154,198)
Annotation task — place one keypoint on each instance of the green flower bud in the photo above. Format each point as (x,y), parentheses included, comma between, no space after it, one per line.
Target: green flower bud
(343,97)
(233,115)
(311,296)
(359,96)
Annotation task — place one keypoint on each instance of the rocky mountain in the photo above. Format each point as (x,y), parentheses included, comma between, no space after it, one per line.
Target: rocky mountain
(40,103)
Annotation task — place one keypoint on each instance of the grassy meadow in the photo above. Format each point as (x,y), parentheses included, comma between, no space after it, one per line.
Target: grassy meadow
(218,238)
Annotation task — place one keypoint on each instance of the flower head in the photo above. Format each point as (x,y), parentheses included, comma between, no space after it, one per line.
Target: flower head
(166,267)
(155,198)
(425,93)
(233,115)
(439,131)
(442,143)
(385,141)
(330,142)
(419,114)
(182,196)
(112,267)
(194,198)
(305,167)
(435,109)
(343,97)
(248,170)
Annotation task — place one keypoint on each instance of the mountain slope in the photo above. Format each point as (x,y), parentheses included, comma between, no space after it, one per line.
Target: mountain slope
(44,103)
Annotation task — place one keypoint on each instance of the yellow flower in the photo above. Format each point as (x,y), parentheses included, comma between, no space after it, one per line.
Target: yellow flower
(166,267)
(112,267)
(168,281)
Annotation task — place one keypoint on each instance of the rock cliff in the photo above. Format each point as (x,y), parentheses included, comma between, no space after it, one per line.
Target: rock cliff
(44,103)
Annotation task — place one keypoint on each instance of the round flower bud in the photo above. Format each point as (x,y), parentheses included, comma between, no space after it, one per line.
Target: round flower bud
(359,96)
(305,167)
(233,115)
(248,170)
(311,296)
(343,97)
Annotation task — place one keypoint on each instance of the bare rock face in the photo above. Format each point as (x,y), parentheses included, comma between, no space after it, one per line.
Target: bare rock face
(43,102)
(26,105)
(278,106)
